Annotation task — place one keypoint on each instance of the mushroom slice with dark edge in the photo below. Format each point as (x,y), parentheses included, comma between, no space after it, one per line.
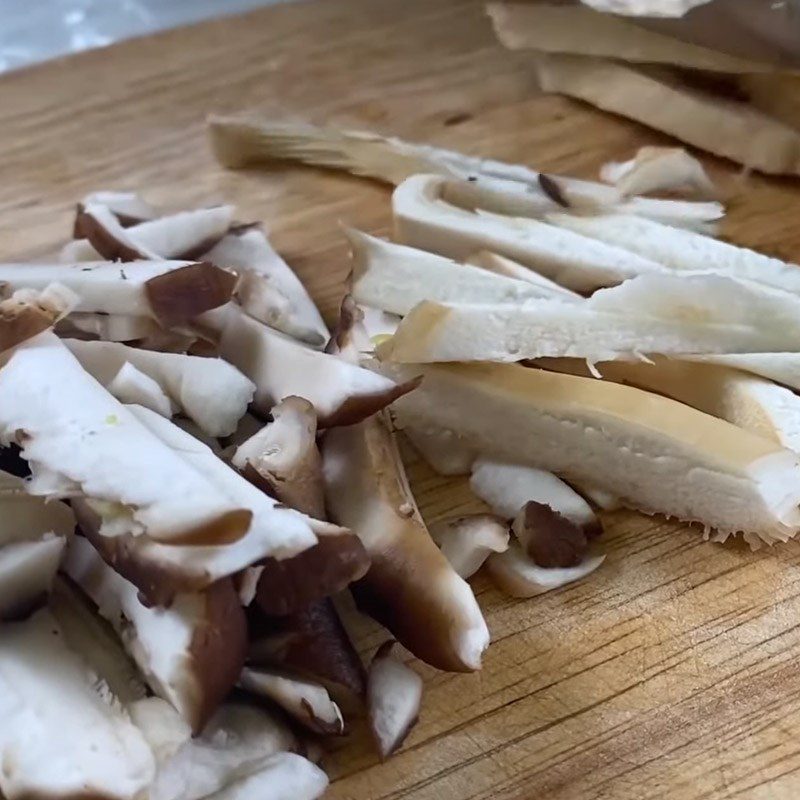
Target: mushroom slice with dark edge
(190,653)
(394,694)
(28,312)
(410,587)
(239,140)
(209,391)
(309,703)
(506,488)
(170,292)
(133,479)
(312,644)
(467,542)
(279,366)
(128,207)
(132,386)
(234,744)
(63,734)
(516,574)
(283,459)
(268,289)
(184,235)
(27,569)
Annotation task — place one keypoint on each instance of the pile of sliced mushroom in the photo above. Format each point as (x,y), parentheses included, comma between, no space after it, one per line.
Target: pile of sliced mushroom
(198,472)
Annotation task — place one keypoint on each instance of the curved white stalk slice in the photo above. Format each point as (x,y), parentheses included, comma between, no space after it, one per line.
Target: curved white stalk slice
(782,368)
(130,385)
(128,207)
(27,569)
(209,391)
(510,269)
(268,289)
(284,776)
(191,653)
(444,450)
(467,542)
(238,141)
(107,327)
(163,727)
(424,219)
(235,743)
(516,574)
(657,455)
(410,587)
(309,703)
(506,488)
(394,696)
(63,734)
(684,251)
(51,406)
(659,169)
(341,393)
(666,314)
(184,235)
(395,278)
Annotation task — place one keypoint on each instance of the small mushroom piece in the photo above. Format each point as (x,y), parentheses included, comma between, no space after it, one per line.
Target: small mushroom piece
(550,539)
(309,703)
(341,393)
(28,312)
(516,574)
(190,653)
(184,235)
(27,570)
(394,695)
(128,207)
(133,386)
(466,542)
(268,289)
(506,488)
(313,644)
(283,776)
(235,743)
(209,391)
(410,587)
(64,735)
(137,483)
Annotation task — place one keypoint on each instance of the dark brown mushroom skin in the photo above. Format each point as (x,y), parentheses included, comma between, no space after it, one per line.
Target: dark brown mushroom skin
(552,540)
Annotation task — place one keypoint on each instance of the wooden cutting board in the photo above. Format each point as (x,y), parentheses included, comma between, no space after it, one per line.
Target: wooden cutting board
(672,672)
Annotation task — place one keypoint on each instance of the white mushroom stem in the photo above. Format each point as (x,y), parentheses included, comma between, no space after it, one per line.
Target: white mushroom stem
(506,488)
(341,393)
(394,696)
(209,391)
(395,278)
(637,445)
(190,653)
(309,703)
(410,587)
(63,734)
(268,288)
(683,251)
(423,218)
(516,574)
(138,483)
(662,314)
(238,141)
(466,542)
(132,386)
(500,265)
(27,569)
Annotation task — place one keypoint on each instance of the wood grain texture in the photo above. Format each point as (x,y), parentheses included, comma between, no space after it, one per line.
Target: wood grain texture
(671,673)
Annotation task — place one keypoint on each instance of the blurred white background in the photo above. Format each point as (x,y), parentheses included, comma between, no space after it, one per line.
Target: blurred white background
(35,30)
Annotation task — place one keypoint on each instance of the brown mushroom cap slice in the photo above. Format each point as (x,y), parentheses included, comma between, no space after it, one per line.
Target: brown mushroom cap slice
(138,483)
(128,207)
(394,695)
(27,570)
(29,312)
(549,538)
(132,386)
(63,734)
(279,366)
(410,587)
(268,289)
(466,542)
(235,743)
(209,391)
(516,574)
(314,644)
(190,653)
(506,488)
(309,703)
